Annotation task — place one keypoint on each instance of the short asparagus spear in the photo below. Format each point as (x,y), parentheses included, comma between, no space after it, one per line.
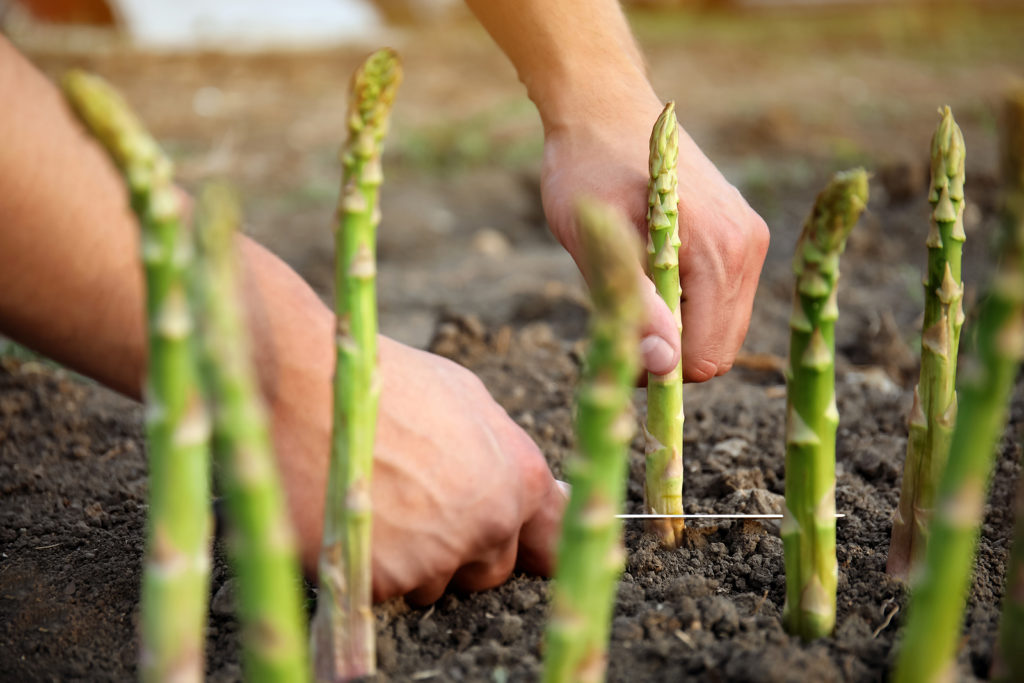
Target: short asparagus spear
(934,412)
(809,525)
(1009,660)
(663,485)
(262,546)
(176,567)
(343,627)
(590,554)
(937,598)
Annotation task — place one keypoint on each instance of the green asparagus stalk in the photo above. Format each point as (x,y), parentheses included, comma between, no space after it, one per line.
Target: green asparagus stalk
(262,544)
(1009,660)
(934,412)
(938,597)
(663,484)
(343,626)
(175,580)
(809,525)
(590,554)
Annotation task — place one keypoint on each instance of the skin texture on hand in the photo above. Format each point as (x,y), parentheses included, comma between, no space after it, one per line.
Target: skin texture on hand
(460,492)
(724,241)
(586,76)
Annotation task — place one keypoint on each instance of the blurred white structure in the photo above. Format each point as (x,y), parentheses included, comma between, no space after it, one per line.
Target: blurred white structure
(245,24)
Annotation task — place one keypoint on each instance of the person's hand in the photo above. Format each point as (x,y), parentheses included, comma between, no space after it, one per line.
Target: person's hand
(724,242)
(461,495)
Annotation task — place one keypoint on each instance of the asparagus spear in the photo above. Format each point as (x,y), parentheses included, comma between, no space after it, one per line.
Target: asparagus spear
(176,567)
(809,526)
(1009,660)
(343,626)
(663,484)
(937,600)
(590,554)
(262,545)
(934,412)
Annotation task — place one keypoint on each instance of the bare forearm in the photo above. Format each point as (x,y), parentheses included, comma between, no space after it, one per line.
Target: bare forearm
(70,279)
(577,58)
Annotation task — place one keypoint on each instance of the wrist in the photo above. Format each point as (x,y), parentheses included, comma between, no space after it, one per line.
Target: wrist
(569,97)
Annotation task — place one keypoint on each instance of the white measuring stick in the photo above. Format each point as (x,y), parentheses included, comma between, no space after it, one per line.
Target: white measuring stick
(701,515)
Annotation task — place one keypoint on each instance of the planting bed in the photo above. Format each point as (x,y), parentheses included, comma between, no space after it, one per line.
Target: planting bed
(72,465)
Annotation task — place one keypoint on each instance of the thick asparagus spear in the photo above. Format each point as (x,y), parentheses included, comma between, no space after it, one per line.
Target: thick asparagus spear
(934,412)
(590,554)
(343,627)
(176,568)
(1009,660)
(937,598)
(809,525)
(262,546)
(663,485)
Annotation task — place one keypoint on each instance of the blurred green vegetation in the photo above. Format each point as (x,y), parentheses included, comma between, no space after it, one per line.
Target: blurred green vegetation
(961,31)
(506,134)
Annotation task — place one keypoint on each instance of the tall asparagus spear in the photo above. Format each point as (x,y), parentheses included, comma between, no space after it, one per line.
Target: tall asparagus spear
(590,554)
(343,626)
(1009,660)
(809,525)
(663,485)
(934,412)
(937,600)
(262,546)
(176,567)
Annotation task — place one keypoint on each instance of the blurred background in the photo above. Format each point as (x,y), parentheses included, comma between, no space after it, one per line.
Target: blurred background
(779,93)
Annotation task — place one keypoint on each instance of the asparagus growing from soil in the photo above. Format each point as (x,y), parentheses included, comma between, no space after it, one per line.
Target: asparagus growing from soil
(934,412)
(262,545)
(938,598)
(176,567)
(343,626)
(663,485)
(590,554)
(809,526)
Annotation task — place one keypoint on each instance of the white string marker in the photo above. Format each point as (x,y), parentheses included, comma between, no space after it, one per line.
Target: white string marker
(701,515)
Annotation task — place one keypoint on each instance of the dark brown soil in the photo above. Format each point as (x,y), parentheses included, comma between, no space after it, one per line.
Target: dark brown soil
(463,232)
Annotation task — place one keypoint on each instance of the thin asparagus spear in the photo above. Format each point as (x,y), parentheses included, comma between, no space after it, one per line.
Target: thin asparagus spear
(343,626)
(663,484)
(809,525)
(937,600)
(175,580)
(1009,659)
(262,545)
(590,554)
(934,412)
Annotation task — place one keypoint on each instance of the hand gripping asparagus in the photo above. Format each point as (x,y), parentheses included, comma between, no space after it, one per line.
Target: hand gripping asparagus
(343,627)
(938,597)
(809,525)
(176,567)
(934,412)
(262,546)
(663,485)
(590,554)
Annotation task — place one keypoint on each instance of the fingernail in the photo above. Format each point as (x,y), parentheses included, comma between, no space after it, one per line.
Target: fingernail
(657,354)
(564,487)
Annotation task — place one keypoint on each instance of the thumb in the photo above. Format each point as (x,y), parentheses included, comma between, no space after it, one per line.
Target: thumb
(660,343)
